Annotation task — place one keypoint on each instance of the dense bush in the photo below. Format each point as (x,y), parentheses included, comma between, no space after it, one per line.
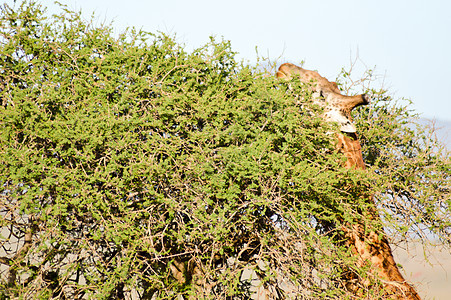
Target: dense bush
(124,158)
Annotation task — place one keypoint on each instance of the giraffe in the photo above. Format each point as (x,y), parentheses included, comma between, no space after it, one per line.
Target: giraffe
(369,247)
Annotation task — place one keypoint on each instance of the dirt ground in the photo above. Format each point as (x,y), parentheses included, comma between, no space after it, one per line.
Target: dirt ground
(431,276)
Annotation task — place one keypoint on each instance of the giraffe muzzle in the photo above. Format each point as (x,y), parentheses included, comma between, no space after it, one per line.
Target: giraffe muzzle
(366,99)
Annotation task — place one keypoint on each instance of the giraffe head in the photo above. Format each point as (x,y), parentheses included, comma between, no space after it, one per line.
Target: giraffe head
(337,107)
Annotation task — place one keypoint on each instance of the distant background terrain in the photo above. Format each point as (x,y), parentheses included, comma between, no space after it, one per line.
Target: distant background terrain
(431,277)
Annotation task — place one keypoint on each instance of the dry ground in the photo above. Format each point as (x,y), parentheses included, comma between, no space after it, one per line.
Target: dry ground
(432,276)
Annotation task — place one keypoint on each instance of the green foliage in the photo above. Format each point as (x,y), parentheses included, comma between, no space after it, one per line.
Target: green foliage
(127,157)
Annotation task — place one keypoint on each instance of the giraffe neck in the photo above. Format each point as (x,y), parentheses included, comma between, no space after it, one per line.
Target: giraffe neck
(372,247)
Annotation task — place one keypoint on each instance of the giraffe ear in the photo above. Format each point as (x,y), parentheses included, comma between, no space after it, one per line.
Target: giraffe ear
(287,69)
(280,74)
(345,123)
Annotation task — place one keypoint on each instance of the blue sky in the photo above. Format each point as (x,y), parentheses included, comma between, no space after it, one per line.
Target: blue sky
(409,42)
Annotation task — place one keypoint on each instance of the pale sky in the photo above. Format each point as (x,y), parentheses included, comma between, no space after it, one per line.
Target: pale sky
(409,42)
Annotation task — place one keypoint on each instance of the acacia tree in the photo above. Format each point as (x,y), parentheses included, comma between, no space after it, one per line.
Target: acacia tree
(131,168)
